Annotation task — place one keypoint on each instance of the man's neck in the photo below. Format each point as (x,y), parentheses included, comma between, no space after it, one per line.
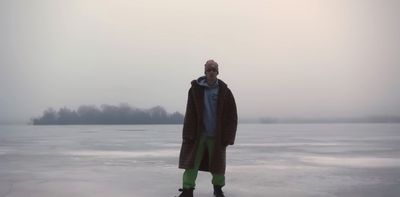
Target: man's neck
(211,82)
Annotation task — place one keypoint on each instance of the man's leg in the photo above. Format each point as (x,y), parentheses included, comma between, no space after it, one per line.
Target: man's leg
(218,179)
(190,175)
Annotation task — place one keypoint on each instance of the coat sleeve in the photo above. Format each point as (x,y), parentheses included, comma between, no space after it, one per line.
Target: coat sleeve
(230,120)
(190,121)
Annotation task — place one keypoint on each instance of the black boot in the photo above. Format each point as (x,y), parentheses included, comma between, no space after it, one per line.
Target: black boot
(186,192)
(218,191)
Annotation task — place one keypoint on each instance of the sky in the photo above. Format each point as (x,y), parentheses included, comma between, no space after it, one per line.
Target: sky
(280,58)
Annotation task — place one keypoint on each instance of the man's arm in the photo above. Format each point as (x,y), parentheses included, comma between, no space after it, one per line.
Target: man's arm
(230,120)
(190,121)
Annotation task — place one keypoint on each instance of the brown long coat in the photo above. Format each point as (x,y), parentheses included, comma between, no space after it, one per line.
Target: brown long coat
(193,127)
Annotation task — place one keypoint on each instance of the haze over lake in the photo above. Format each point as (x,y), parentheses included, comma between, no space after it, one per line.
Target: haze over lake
(281,58)
(131,62)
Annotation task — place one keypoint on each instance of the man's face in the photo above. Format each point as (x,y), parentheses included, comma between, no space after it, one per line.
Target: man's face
(211,72)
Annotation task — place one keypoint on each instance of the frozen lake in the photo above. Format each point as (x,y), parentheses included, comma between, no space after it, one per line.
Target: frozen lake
(296,160)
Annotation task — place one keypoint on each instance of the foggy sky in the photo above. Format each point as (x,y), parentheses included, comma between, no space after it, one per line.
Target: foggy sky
(279,57)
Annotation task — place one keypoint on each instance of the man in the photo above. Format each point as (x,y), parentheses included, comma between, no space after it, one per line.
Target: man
(209,127)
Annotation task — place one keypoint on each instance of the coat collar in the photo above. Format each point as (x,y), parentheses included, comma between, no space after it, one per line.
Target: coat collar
(222,85)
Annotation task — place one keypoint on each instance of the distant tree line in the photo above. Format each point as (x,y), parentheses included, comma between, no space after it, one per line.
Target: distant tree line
(108,114)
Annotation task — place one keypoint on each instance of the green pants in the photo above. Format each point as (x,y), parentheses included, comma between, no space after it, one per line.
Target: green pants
(190,175)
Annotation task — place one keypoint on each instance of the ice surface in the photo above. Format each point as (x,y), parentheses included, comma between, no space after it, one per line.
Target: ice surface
(141,160)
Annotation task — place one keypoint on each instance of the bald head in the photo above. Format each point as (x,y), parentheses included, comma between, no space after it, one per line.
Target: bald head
(211,65)
(211,71)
